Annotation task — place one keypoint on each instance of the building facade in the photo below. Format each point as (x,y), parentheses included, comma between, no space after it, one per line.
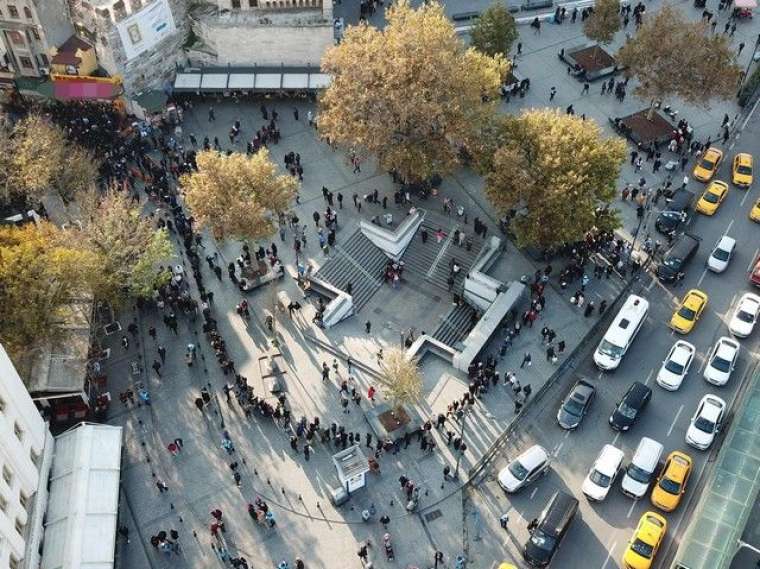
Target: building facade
(30,30)
(261,32)
(26,449)
(139,40)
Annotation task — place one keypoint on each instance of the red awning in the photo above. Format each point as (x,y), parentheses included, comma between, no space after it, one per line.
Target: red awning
(68,90)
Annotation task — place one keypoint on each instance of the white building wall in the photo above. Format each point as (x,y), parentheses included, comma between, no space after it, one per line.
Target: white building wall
(24,439)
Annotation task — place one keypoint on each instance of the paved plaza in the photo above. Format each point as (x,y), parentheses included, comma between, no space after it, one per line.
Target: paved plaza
(297,489)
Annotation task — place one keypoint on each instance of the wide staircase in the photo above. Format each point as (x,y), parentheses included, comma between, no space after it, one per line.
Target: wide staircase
(358,262)
(456,325)
(431,261)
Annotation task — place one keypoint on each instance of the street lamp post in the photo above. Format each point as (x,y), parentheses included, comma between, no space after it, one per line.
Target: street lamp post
(751,59)
(461,436)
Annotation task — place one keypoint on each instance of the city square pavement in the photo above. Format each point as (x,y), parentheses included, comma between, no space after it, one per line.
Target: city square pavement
(200,479)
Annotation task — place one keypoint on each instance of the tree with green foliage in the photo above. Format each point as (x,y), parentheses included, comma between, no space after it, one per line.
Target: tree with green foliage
(495,31)
(555,174)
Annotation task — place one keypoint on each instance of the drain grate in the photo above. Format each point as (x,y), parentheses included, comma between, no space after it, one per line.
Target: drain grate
(434,515)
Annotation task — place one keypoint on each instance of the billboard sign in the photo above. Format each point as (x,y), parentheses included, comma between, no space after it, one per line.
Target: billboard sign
(144,29)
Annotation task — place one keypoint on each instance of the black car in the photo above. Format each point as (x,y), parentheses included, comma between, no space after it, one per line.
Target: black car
(550,527)
(675,259)
(630,406)
(576,405)
(676,212)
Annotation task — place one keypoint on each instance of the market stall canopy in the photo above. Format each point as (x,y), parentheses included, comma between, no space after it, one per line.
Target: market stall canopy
(261,79)
(80,526)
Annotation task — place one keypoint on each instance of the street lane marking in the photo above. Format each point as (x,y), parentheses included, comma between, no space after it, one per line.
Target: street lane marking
(744,199)
(630,510)
(610,553)
(615,440)
(557,449)
(601,373)
(704,362)
(749,116)
(650,285)
(752,262)
(732,221)
(699,282)
(533,494)
(567,434)
(649,377)
(673,424)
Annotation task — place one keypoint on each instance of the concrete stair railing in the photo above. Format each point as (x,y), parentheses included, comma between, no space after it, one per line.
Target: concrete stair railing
(393,243)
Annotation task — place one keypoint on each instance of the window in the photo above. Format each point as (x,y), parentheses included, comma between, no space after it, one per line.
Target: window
(119,11)
(7,475)
(35,34)
(3,504)
(20,527)
(13,563)
(136,5)
(13,11)
(18,39)
(44,61)
(26,62)
(236,4)
(23,499)
(253,3)
(18,431)
(28,13)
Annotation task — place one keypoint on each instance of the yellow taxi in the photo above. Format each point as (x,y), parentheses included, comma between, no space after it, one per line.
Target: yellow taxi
(714,195)
(708,164)
(689,311)
(507,566)
(741,170)
(754,213)
(646,540)
(671,484)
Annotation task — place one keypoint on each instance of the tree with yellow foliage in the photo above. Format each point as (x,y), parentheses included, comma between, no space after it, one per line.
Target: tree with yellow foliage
(401,378)
(672,56)
(556,175)
(40,274)
(37,159)
(410,94)
(238,196)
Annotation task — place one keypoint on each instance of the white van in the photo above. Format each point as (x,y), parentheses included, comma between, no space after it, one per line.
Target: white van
(640,472)
(621,333)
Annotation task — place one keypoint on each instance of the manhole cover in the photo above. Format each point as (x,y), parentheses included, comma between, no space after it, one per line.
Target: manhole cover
(436,298)
(434,515)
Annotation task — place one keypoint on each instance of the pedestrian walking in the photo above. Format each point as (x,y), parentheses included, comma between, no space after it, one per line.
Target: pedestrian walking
(368,326)
(586,87)
(161,353)
(157,367)
(527,360)
(161,485)
(503,521)
(552,93)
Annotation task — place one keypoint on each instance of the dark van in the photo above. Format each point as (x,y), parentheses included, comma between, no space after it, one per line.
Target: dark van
(676,212)
(673,265)
(550,528)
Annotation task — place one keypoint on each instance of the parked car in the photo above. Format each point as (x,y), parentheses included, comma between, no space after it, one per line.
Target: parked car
(630,406)
(721,254)
(671,484)
(706,422)
(745,316)
(676,212)
(741,170)
(708,164)
(575,405)
(676,365)
(602,474)
(754,276)
(722,361)
(525,469)
(754,213)
(645,542)
(712,197)
(677,257)
(689,311)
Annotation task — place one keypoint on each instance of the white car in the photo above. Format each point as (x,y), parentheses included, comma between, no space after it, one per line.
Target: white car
(706,422)
(676,365)
(722,361)
(718,260)
(744,318)
(526,468)
(602,475)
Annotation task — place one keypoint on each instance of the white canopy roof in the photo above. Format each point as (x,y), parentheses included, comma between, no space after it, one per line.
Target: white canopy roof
(241,81)
(80,532)
(214,81)
(295,80)
(187,81)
